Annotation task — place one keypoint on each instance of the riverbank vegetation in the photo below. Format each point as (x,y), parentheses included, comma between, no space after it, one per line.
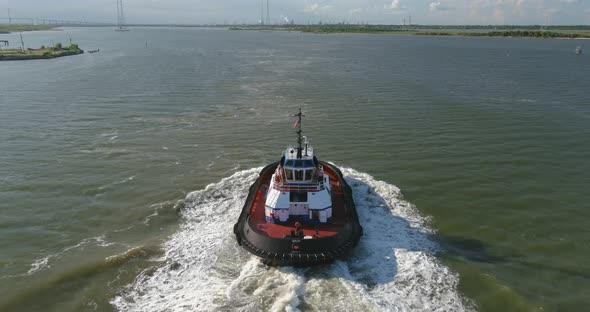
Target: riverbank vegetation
(516,33)
(508,33)
(42,53)
(533,31)
(5,29)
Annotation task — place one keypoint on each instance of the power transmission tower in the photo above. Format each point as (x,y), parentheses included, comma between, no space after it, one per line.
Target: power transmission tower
(267,12)
(261,12)
(120,17)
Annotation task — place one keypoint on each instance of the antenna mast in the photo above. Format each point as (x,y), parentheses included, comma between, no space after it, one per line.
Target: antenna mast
(299,140)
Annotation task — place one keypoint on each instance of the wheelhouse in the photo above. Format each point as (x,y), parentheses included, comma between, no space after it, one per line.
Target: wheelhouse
(300,171)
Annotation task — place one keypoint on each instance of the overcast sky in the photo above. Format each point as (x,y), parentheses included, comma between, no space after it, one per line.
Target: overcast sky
(304,11)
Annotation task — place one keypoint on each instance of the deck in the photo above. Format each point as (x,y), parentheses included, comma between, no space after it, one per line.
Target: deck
(258,220)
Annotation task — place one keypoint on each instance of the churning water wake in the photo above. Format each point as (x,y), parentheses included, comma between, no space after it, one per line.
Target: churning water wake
(392,269)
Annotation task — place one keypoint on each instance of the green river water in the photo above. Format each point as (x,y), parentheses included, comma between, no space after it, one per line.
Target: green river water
(487,139)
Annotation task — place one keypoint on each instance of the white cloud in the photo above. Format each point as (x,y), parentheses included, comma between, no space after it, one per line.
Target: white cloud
(434,6)
(317,8)
(285,18)
(394,5)
(439,6)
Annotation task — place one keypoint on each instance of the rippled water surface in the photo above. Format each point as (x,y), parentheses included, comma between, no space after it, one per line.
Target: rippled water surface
(123,171)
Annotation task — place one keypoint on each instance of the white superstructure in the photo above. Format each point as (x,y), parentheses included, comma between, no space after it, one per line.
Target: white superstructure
(299,189)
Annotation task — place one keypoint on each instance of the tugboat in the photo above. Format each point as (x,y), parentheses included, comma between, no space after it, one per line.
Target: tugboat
(300,211)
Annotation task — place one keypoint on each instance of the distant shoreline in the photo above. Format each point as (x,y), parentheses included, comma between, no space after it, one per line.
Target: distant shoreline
(515,31)
(526,32)
(513,34)
(7,29)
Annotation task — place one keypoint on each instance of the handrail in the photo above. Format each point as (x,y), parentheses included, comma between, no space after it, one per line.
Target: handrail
(287,187)
(284,187)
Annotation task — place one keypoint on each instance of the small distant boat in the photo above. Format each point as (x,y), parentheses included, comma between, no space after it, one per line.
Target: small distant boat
(579,50)
(94,51)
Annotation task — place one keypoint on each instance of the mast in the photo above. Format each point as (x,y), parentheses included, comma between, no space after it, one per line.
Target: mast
(298,124)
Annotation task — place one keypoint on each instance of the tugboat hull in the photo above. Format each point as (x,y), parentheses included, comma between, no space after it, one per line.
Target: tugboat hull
(316,244)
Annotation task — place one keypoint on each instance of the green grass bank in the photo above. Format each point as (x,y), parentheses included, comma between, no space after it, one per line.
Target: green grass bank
(42,53)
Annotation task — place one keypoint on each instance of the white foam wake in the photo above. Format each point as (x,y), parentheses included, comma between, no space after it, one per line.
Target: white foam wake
(392,269)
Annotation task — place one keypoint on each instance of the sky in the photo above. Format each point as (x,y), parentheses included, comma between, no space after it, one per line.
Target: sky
(437,12)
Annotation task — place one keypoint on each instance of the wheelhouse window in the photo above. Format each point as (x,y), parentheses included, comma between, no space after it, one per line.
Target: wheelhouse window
(298,175)
(289,174)
(299,170)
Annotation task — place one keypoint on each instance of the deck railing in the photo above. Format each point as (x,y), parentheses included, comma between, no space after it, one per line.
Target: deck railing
(288,187)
